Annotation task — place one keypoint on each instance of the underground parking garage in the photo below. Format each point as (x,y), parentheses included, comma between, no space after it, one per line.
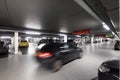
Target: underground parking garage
(59,40)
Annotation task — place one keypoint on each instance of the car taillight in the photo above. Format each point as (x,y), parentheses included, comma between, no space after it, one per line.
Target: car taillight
(44,55)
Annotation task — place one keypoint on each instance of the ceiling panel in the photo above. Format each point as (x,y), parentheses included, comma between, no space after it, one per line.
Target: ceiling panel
(41,14)
(81,21)
(3,9)
(114,14)
(110,4)
(112,7)
(92,2)
(46,15)
(4,16)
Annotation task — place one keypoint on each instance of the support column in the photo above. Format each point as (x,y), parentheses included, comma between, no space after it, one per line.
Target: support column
(92,40)
(12,41)
(100,40)
(16,42)
(65,38)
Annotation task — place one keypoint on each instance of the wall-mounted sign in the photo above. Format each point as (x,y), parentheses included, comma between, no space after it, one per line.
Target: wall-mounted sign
(104,35)
(109,36)
(82,32)
(100,35)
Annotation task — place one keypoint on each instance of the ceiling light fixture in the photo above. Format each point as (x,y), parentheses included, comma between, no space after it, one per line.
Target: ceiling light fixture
(78,36)
(33,22)
(33,26)
(63,29)
(61,34)
(33,33)
(5,37)
(106,26)
(113,33)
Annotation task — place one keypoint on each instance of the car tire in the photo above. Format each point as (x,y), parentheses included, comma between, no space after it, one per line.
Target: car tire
(57,65)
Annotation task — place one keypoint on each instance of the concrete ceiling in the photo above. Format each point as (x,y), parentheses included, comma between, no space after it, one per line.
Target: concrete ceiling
(112,7)
(51,15)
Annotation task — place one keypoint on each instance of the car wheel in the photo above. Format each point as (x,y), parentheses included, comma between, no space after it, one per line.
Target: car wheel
(57,65)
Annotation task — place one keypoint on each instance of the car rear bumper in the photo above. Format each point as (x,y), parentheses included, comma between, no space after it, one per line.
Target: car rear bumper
(45,61)
(107,76)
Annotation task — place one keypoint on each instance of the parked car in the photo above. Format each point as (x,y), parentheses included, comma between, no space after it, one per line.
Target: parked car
(55,55)
(117,45)
(24,43)
(3,50)
(109,70)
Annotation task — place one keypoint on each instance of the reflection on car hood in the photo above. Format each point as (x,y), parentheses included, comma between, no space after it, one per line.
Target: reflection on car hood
(41,45)
(112,64)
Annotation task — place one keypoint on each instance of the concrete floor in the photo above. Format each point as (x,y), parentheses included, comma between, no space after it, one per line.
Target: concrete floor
(24,67)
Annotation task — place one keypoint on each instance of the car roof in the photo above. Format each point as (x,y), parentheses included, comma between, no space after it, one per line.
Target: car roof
(55,43)
(112,63)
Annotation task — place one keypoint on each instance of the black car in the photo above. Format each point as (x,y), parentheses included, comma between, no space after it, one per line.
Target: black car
(117,45)
(57,54)
(109,70)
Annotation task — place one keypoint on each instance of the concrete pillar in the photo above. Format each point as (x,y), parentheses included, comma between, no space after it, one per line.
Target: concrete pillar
(65,38)
(101,40)
(92,40)
(12,40)
(16,42)
(97,40)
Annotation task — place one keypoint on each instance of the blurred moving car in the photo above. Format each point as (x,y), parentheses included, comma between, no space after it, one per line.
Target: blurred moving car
(3,50)
(55,55)
(109,70)
(24,43)
(117,45)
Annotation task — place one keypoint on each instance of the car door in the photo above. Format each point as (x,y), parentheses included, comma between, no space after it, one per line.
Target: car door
(65,52)
(74,53)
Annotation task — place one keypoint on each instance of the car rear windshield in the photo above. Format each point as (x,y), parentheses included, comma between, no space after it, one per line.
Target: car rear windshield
(51,47)
(43,41)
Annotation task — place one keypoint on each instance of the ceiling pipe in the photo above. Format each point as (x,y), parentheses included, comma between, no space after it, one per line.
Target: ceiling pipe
(86,7)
